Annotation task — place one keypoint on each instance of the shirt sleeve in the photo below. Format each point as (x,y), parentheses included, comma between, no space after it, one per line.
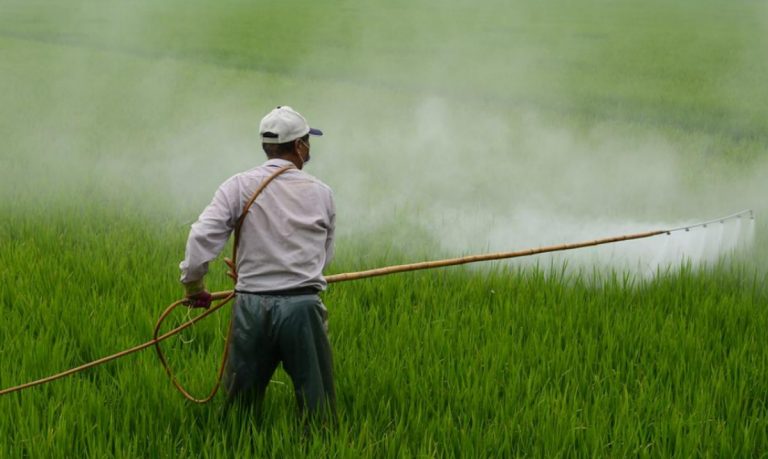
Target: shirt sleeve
(330,239)
(210,232)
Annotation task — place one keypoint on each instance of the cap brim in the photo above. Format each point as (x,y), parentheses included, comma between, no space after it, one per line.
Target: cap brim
(313,131)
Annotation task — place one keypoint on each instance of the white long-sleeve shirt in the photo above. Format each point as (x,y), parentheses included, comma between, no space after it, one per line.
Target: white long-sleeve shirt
(286,240)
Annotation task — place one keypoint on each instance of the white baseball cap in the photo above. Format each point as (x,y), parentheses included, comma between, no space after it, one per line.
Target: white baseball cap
(284,124)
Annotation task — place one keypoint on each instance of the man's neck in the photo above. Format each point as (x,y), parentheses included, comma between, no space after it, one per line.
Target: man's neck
(293,158)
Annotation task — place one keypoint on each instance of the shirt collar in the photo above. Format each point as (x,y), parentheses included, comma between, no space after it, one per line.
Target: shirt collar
(277,162)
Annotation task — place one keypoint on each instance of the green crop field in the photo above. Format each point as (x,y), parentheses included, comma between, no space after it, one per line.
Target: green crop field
(452,127)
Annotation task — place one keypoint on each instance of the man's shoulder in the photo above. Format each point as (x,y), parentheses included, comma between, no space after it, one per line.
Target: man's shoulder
(254,173)
(316,181)
(258,173)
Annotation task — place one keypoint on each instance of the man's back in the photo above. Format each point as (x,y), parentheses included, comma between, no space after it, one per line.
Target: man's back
(287,238)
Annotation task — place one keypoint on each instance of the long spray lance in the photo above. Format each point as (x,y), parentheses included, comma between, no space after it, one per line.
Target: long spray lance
(225,296)
(517,254)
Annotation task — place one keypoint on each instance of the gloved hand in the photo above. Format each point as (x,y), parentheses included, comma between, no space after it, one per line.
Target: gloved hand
(196,296)
(232,273)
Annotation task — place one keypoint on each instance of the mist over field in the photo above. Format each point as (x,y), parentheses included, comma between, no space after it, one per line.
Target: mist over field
(496,128)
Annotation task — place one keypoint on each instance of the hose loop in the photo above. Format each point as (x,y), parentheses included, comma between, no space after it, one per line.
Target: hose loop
(224,301)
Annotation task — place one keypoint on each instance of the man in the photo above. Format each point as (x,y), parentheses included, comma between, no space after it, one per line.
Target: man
(286,240)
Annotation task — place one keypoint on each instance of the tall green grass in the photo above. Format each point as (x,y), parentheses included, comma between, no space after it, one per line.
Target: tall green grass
(458,362)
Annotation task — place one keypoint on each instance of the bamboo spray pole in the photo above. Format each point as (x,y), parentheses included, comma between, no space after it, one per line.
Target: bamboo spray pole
(225,296)
(387,270)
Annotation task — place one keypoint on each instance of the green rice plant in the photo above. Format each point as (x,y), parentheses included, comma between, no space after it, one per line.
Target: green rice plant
(447,363)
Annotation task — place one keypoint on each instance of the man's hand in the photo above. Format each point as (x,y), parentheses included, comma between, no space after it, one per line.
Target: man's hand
(196,296)
(232,273)
(199,300)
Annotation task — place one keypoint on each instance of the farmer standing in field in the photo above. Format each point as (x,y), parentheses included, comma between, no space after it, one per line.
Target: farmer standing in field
(286,241)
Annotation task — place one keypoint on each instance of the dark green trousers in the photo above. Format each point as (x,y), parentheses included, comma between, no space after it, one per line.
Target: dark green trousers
(268,330)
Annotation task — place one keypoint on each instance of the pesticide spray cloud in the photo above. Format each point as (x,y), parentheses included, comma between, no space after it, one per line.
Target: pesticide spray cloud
(478,167)
(523,184)
(464,139)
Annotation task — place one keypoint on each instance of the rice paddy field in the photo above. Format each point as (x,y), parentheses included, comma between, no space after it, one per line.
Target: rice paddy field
(452,127)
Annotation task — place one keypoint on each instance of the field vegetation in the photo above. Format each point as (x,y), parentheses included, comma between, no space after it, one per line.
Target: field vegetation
(119,119)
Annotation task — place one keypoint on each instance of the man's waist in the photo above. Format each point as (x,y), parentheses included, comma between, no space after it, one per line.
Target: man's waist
(285,292)
(256,282)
